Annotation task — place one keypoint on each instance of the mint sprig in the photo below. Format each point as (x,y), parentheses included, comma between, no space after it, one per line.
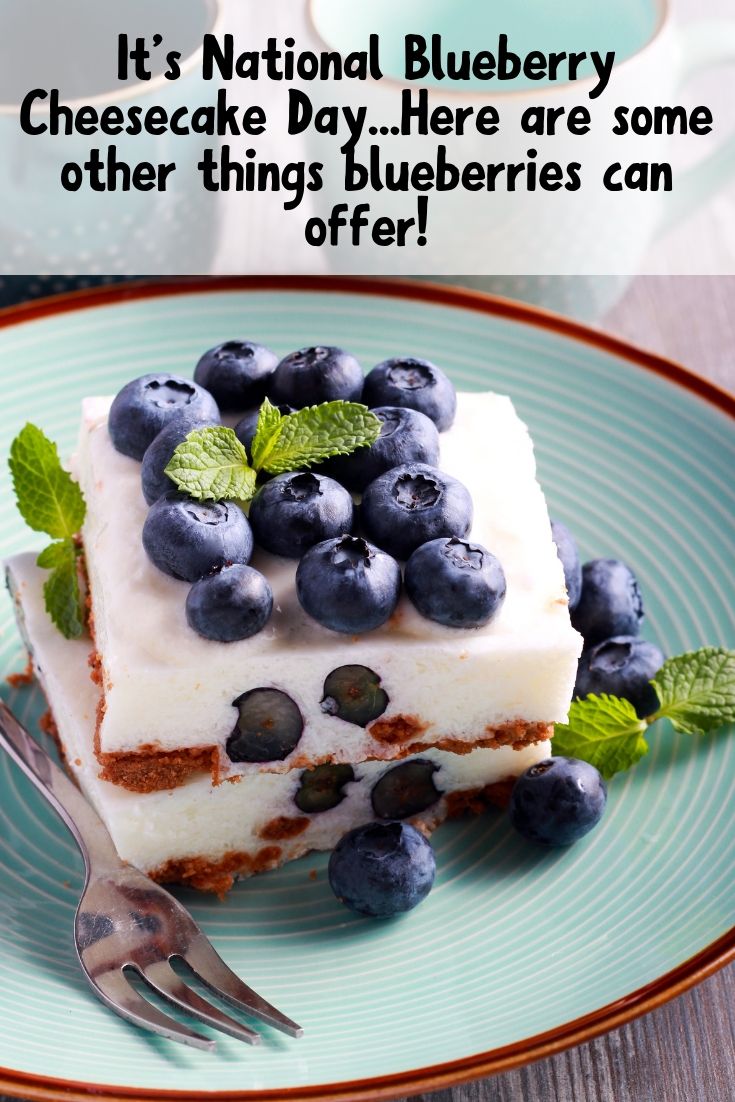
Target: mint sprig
(212,465)
(50,501)
(696,693)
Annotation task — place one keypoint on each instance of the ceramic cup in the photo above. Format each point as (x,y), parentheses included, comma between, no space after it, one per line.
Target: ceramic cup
(591,232)
(42,227)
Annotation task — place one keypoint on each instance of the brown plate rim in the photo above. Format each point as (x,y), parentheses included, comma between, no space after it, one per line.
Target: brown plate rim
(579,1030)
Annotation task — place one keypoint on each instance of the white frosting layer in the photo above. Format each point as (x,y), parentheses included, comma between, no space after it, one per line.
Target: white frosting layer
(197,819)
(167,687)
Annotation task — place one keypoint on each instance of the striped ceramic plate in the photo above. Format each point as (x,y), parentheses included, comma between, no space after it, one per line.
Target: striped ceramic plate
(515,952)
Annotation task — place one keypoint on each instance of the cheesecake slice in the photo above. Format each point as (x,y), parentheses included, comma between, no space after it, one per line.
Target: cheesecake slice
(202,834)
(170,700)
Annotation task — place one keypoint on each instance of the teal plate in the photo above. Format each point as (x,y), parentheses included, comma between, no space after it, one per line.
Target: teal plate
(516,952)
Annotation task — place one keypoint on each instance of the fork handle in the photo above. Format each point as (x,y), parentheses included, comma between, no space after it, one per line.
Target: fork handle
(90,833)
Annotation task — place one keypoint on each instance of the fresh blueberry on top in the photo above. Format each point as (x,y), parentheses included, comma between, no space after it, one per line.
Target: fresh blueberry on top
(405,790)
(234,603)
(417,384)
(566,549)
(406,436)
(321,788)
(158,454)
(146,405)
(413,504)
(455,583)
(314,375)
(236,373)
(247,426)
(611,602)
(557,801)
(353,693)
(622,666)
(188,539)
(268,727)
(382,869)
(348,585)
(292,512)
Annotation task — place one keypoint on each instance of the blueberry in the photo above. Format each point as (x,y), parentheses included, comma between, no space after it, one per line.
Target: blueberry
(382,869)
(233,604)
(610,604)
(268,728)
(158,455)
(461,585)
(188,539)
(246,427)
(314,375)
(236,373)
(417,384)
(292,512)
(405,790)
(321,787)
(566,549)
(413,504)
(557,801)
(353,693)
(146,405)
(406,436)
(348,585)
(622,666)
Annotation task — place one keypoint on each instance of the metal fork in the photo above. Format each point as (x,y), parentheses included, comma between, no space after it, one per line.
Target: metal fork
(126,925)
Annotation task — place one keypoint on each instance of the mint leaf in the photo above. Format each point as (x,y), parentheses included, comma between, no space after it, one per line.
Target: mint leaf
(316,433)
(696,691)
(61,590)
(266,434)
(212,465)
(48,498)
(603,730)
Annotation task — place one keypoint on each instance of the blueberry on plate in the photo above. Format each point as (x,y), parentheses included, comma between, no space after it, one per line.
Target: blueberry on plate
(566,549)
(557,801)
(146,405)
(154,480)
(269,726)
(188,539)
(455,583)
(382,869)
(236,373)
(294,511)
(611,602)
(247,426)
(412,504)
(622,666)
(406,436)
(232,604)
(348,585)
(314,375)
(417,384)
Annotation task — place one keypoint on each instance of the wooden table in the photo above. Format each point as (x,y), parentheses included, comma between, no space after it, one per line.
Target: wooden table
(685,1051)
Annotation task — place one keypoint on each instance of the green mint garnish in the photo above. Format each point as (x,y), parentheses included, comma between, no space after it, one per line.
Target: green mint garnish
(212,464)
(603,730)
(50,501)
(696,692)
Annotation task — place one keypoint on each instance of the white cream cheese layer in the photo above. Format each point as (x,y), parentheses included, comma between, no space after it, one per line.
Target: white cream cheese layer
(198,820)
(168,688)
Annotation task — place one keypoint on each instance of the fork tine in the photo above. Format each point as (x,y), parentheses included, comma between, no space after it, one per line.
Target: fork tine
(207,964)
(116,992)
(162,979)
